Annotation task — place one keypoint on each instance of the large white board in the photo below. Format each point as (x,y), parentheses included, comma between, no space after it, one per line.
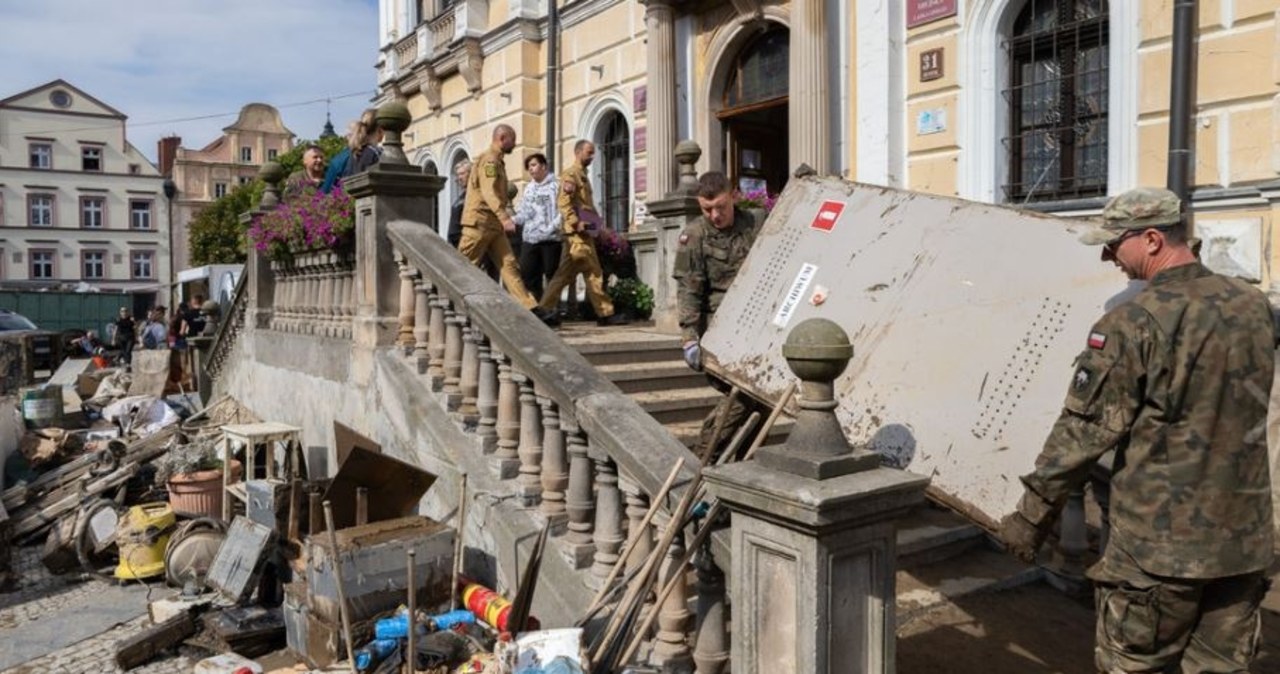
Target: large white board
(965,319)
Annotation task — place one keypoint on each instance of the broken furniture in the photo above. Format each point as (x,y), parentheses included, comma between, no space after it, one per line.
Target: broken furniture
(271,436)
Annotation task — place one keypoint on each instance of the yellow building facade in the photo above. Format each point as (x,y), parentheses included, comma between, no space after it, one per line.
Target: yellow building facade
(1050,104)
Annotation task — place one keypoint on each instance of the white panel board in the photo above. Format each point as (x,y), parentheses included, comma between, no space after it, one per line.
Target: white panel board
(965,320)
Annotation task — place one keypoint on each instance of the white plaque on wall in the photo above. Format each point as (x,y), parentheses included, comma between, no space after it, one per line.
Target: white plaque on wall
(1232,247)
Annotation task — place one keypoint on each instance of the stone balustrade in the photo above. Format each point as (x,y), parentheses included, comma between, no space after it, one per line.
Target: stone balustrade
(443,29)
(314,294)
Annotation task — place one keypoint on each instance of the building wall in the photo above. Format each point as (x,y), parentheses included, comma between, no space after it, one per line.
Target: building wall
(198,173)
(126,176)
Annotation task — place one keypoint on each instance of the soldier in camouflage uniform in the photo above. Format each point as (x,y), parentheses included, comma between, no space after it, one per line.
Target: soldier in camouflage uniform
(1177,382)
(579,254)
(711,250)
(487,217)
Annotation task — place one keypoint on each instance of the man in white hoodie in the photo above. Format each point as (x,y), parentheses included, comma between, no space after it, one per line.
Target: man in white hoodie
(540,218)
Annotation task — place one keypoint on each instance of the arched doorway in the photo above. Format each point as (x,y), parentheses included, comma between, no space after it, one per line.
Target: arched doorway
(453,189)
(753,113)
(613,156)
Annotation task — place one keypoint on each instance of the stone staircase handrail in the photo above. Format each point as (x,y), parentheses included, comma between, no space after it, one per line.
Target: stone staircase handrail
(640,446)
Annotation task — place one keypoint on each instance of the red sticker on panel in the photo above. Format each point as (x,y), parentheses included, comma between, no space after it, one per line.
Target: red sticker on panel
(827,215)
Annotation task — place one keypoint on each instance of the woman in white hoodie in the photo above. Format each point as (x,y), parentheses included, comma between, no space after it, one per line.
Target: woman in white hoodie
(540,219)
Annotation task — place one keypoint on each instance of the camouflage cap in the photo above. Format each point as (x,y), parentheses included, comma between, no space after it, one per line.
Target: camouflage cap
(1141,208)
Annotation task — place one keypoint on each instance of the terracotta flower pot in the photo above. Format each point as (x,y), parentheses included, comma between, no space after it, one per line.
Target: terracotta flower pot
(200,493)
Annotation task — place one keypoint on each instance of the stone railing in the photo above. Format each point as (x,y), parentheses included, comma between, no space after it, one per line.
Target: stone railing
(443,30)
(314,293)
(229,330)
(407,50)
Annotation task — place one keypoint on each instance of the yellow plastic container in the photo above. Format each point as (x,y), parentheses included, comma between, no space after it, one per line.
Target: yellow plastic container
(142,536)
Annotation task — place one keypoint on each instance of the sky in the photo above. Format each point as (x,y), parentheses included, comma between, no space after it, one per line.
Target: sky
(164,62)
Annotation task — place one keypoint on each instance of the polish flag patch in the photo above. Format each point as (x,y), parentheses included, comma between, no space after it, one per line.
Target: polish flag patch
(1097,340)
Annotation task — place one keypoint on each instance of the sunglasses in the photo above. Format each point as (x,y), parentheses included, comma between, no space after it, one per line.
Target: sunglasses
(1112,247)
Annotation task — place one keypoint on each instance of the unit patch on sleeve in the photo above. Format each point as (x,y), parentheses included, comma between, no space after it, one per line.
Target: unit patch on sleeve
(1097,340)
(490,170)
(1082,379)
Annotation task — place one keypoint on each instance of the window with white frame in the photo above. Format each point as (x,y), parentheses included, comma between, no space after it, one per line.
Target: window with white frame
(40,210)
(140,213)
(42,264)
(41,155)
(142,264)
(94,264)
(219,190)
(1058,100)
(246,154)
(243,180)
(91,159)
(93,212)
(272,154)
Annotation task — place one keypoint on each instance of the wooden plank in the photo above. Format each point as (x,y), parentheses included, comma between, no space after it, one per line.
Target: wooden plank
(49,514)
(151,642)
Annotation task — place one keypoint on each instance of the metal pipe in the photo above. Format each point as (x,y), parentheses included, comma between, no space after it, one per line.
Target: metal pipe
(553,59)
(1182,92)
(411,655)
(343,611)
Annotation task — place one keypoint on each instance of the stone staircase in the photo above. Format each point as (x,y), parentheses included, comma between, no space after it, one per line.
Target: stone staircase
(941,555)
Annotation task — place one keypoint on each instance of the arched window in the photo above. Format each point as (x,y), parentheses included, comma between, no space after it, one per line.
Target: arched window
(614,150)
(760,73)
(1057,98)
(429,168)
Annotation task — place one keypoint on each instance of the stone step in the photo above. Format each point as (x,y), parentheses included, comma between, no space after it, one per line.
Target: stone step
(687,431)
(658,375)
(932,533)
(978,570)
(678,405)
(621,345)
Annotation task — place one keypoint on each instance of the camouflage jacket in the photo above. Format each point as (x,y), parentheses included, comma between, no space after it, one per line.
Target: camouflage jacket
(575,196)
(487,190)
(1177,382)
(707,261)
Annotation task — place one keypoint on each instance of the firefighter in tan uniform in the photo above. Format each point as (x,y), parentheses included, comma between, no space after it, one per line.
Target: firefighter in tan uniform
(579,257)
(486,217)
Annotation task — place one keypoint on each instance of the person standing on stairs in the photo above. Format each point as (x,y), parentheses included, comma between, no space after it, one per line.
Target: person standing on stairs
(1176,381)
(710,252)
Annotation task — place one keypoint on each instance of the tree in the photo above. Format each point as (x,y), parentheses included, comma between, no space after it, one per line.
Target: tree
(216,235)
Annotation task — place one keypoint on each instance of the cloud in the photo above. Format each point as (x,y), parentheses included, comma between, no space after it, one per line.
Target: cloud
(159,60)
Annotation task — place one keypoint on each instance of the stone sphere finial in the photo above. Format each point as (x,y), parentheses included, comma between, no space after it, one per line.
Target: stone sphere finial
(393,118)
(687,153)
(271,173)
(817,350)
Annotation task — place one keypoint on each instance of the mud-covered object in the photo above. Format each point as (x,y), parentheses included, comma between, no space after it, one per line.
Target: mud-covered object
(444,648)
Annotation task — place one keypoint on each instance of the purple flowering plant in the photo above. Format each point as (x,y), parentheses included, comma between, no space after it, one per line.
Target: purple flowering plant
(757,199)
(612,246)
(312,221)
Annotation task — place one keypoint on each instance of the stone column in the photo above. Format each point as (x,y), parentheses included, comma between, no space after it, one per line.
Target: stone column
(392,190)
(659,19)
(812,520)
(656,241)
(807,113)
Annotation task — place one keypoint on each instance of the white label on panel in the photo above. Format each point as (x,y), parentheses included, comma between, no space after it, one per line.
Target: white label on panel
(792,300)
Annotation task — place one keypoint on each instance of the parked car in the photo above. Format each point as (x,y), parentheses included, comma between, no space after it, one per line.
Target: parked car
(10,321)
(46,345)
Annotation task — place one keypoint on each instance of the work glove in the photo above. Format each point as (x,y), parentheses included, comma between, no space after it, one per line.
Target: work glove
(693,355)
(1021,538)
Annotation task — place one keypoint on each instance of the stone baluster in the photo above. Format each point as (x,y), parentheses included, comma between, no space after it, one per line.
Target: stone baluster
(711,648)
(339,277)
(637,507)
(277,295)
(291,295)
(530,449)
(506,458)
(452,358)
(405,337)
(308,294)
(421,322)
(555,466)
(328,272)
(302,299)
(317,281)
(468,412)
(346,295)
(578,545)
(437,335)
(670,649)
(487,398)
(608,536)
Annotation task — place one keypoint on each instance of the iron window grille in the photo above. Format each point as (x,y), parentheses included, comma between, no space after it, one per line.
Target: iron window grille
(615,154)
(1057,98)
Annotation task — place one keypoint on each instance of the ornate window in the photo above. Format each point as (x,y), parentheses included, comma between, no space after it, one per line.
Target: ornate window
(760,74)
(615,164)
(1057,98)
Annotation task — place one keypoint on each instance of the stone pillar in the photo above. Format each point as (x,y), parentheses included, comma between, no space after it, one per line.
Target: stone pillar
(655,242)
(807,115)
(392,190)
(814,520)
(659,19)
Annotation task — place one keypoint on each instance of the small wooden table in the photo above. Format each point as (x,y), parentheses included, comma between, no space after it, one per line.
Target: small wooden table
(252,436)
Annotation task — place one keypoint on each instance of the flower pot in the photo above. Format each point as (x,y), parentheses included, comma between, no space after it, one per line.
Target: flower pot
(200,493)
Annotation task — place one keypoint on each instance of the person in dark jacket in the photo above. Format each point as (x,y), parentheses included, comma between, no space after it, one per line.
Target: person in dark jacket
(462,173)
(361,153)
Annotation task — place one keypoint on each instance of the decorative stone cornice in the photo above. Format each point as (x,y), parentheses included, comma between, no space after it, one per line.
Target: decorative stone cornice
(429,85)
(470,63)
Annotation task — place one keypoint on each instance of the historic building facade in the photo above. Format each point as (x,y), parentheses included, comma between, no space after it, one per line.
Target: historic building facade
(201,176)
(78,202)
(1049,104)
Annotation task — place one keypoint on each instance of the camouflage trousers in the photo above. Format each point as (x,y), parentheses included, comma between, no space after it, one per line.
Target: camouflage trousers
(1155,624)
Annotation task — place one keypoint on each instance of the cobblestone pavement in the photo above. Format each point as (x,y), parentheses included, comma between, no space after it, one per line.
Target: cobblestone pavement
(41,595)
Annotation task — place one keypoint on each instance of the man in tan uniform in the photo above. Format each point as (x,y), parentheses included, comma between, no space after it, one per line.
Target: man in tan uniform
(486,217)
(579,257)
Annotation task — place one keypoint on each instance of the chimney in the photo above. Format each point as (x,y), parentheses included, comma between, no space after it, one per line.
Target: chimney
(166,150)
